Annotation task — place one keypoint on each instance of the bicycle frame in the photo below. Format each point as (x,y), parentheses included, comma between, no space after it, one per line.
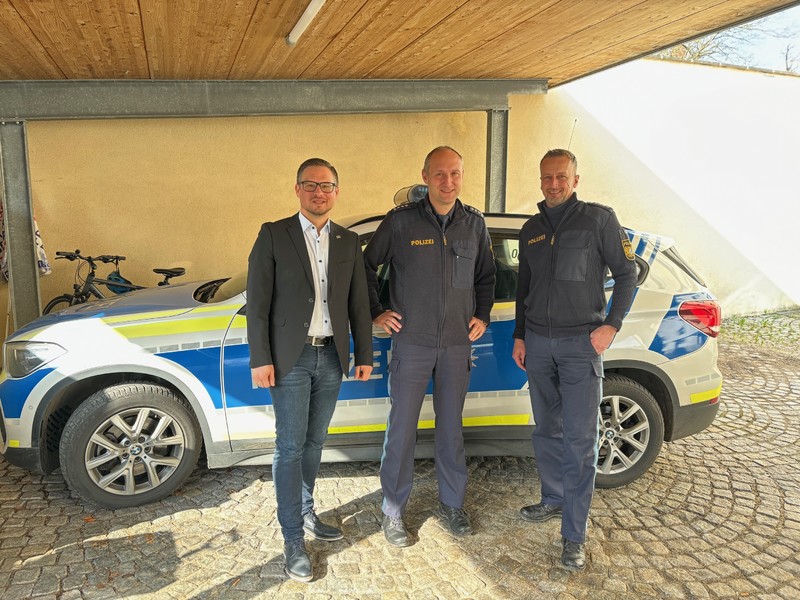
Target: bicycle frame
(89,287)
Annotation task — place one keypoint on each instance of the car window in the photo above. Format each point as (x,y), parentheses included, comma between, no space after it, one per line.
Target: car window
(506,261)
(642,269)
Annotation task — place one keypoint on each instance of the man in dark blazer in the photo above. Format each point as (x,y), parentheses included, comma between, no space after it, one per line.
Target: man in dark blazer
(306,283)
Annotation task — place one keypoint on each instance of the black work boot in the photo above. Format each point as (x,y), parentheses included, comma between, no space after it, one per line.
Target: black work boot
(395,531)
(573,555)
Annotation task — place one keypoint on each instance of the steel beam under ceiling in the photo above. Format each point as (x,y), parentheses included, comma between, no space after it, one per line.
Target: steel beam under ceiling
(119,99)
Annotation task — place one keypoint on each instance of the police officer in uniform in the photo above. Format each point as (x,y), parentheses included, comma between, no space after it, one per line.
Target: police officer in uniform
(562,329)
(442,289)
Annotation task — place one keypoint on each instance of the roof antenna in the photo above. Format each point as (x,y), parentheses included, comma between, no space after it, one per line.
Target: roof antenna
(574,123)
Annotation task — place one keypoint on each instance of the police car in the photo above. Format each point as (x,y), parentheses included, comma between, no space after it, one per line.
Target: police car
(122,394)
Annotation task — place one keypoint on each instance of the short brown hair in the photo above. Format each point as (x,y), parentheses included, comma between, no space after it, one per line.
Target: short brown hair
(317,162)
(558,152)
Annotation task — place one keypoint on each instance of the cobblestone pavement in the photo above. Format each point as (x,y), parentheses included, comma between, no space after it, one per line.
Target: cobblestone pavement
(718,516)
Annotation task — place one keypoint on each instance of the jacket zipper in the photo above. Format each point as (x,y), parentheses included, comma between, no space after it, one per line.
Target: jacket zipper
(550,286)
(553,267)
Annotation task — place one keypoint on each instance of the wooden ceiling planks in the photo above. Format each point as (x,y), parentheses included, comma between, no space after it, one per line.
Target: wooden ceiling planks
(639,32)
(559,40)
(377,34)
(290,62)
(194,39)
(588,35)
(88,40)
(263,47)
(442,51)
(534,31)
(21,56)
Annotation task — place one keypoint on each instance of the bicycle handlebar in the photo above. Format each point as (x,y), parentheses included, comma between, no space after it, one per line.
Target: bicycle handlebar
(104,258)
(109,258)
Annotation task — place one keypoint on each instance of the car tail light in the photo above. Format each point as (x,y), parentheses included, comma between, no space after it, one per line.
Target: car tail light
(705,315)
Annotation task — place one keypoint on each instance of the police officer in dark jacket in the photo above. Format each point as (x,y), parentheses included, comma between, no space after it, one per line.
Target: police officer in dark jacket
(442,291)
(562,329)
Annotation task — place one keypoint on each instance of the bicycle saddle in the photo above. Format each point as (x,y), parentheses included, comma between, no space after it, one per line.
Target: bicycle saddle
(176,272)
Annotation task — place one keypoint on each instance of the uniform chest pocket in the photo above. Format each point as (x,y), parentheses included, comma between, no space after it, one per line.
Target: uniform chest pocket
(463,264)
(572,259)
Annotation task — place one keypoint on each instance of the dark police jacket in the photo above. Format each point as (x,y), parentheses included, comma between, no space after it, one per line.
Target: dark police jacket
(562,273)
(438,280)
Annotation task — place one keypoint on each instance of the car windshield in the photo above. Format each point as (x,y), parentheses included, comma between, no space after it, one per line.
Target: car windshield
(221,290)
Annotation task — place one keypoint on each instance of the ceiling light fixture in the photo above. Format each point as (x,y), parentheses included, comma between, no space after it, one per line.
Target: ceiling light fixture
(305,20)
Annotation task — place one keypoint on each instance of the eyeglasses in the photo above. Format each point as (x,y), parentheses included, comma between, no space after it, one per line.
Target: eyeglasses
(325,186)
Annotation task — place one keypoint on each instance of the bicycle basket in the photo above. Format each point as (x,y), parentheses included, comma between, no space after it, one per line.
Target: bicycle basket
(117,289)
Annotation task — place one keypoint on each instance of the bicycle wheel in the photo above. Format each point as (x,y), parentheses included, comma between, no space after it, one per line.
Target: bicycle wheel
(58,303)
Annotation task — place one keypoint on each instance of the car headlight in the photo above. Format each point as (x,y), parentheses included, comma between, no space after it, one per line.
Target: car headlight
(23,358)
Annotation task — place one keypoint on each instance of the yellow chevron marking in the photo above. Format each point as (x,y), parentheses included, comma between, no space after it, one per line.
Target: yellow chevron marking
(509,304)
(706,396)
(174,327)
(523,419)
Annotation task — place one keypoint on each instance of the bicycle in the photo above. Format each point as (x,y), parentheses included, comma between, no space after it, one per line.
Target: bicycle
(114,281)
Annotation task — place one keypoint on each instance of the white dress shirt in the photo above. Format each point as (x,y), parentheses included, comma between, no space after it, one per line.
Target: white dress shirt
(318,245)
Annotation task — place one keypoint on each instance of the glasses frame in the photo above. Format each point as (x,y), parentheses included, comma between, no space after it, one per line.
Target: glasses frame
(318,184)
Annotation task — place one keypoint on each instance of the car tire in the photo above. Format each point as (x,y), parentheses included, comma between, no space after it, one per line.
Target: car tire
(631,432)
(129,444)
(58,303)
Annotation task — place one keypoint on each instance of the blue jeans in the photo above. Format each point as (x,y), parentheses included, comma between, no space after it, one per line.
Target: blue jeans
(304,401)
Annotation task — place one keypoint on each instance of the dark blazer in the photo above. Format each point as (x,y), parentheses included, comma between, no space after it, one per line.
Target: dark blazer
(280,296)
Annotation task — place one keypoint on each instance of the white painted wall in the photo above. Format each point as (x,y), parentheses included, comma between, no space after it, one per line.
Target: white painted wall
(707,155)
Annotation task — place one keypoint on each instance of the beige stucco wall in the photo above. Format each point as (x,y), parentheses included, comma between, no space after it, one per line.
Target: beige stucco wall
(194,192)
(703,154)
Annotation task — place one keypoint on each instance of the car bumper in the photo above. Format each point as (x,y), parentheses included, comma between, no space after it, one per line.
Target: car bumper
(27,458)
(693,419)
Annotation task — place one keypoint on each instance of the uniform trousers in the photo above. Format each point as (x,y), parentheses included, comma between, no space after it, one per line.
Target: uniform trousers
(565,379)
(410,372)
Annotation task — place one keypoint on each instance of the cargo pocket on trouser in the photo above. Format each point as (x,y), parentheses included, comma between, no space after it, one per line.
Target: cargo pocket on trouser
(468,375)
(596,359)
(597,366)
(463,264)
(572,260)
(394,365)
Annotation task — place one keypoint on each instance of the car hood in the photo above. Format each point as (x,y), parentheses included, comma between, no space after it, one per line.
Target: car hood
(170,299)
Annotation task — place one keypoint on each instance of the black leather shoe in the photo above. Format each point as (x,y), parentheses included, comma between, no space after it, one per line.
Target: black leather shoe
(456,519)
(319,530)
(538,513)
(298,564)
(395,531)
(573,555)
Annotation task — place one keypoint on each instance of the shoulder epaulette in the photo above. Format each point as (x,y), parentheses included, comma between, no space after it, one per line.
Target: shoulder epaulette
(406,206)
(473,210)
(598,205)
